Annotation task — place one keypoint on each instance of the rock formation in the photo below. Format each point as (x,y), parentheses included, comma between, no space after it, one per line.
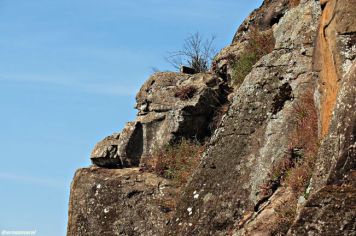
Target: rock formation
(170,106)
(280,161)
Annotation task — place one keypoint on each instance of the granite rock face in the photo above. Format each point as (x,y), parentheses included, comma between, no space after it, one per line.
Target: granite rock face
(331,207)
(314,55)
(335,50)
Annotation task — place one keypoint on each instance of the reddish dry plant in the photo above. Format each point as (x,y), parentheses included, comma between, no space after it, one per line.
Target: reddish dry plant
(298,177)
(294,170)
(304,137)
(277,175)
(305,134)
(168,204)
(185,92)
(285,214)
(260,42)
(293,3)
(177,162)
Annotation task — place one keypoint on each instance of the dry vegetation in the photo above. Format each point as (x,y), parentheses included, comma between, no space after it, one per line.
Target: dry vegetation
(304,137)
(296,168)
(259,44)
(196,53)
(294,3)
(285,215)
(185,92)
(177,162)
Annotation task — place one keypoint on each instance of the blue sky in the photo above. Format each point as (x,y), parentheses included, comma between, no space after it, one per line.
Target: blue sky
(69,71)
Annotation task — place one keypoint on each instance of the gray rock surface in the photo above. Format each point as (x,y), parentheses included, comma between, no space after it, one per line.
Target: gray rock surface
(120,150)
(255,132)
(109,202)
(331,210)
(171,106)
(314,53)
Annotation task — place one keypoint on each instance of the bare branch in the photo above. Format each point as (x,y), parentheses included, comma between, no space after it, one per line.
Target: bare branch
(196,53)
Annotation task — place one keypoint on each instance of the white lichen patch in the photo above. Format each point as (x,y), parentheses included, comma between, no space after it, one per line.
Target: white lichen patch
(190,210)
(348,52)
(207,197)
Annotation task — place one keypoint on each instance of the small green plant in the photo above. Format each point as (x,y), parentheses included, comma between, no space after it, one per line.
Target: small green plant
(259,44)
(242,67)
(177,162)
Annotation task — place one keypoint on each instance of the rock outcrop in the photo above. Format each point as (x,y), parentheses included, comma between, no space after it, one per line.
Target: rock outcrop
(281,159)
(119,202)
(171,106)
(255,132)
(331,208)
(114,198)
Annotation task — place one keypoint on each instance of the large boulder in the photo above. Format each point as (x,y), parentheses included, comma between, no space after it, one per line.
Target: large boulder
(119,202)
(121,149)
(171,106)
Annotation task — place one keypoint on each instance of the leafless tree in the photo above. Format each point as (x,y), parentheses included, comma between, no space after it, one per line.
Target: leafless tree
(196,53)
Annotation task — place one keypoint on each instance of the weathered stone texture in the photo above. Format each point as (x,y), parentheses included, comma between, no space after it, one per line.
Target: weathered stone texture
(315,50)
(331,209)
(171,106)
(109,202)
(254,134)
(334,51)
(121,149)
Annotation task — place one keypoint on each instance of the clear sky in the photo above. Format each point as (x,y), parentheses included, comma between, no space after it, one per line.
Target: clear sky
(69,71)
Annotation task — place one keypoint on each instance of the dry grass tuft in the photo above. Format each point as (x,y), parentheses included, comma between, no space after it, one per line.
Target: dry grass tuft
(293,3)
(177,162)
(285,214)
(295,169)
(259,44)
(305,138)
(185,92)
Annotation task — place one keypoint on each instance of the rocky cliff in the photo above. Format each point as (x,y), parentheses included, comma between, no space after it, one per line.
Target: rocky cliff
(262,144)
